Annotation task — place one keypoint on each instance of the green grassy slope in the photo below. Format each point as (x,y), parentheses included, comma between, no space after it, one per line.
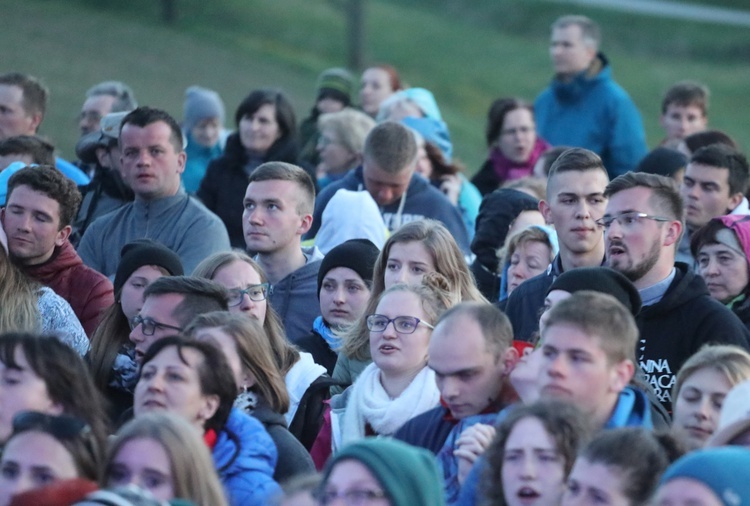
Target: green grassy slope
(466,55)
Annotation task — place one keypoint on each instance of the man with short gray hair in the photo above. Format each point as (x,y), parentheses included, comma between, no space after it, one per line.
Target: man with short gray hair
(583,106)
(387,173)
(102,99)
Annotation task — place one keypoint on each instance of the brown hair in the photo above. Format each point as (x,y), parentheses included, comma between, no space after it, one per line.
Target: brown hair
(254,351)
(392,147)
(686,94)
(48,180)
(285,354)
(282,171)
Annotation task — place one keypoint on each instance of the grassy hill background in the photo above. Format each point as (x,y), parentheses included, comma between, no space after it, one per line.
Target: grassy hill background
(468,52)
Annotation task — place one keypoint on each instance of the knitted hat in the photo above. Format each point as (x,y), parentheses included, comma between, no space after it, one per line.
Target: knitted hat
(358,255)
(142,252)
(600,279)
(409,475)
(336,83)
(201,103)
(720,469)
(735,415)
(663,162)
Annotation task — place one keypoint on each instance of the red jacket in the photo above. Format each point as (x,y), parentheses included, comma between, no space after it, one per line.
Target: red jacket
(87,291)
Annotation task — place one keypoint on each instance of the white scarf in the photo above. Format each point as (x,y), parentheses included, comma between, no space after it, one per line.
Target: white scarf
(370,403)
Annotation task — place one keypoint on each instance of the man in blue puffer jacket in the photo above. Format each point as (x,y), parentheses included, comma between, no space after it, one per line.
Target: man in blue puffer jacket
(583,106)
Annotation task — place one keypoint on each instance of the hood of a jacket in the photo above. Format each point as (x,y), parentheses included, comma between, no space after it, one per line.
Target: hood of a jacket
(685,287)
(577,88)
(244,445)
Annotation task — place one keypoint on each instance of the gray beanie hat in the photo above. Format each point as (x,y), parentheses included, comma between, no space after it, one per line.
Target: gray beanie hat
(201,103)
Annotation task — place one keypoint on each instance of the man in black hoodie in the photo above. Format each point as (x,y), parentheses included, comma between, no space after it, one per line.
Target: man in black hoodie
(642,228)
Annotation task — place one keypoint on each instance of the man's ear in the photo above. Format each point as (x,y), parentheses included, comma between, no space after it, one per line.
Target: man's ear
(510,359)
(622,373)
(674,232)
(182,160)
(36,120)
(63,235)
(305,223)
(735,200)
(546,211)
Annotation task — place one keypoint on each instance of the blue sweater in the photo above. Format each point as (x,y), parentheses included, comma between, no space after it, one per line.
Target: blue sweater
(593,112)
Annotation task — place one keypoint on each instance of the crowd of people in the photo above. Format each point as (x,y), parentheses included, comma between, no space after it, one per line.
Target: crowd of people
(333,312)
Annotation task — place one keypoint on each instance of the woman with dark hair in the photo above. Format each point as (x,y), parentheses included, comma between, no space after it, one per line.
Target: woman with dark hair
(266,132)
(112,356)
(45,449)
(261,389)
(194,380)
(532,455)
(39,373)
(513,143)
(621,465)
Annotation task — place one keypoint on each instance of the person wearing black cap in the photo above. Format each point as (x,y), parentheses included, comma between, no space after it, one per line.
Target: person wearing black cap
(344,282)
(106,191)
(112,356)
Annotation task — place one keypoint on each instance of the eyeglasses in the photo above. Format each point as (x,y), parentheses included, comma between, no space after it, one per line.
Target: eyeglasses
(256,293)
(628,220)
(354,497)
(402,324)
(149,325)
(61,426)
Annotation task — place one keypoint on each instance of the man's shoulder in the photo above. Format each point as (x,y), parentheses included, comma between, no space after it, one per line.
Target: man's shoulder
(351,181)
(427,430)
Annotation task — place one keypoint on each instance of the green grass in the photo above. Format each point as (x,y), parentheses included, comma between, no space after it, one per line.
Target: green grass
(468,52)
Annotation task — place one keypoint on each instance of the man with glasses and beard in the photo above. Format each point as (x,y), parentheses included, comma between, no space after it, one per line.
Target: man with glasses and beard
(642,228)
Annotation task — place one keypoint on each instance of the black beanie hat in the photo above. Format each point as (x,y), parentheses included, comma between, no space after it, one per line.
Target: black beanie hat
(663,162)
(358,255)
(600,279)
(142,252)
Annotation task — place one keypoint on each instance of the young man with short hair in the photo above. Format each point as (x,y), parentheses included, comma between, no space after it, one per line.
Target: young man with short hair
(23,102)
(714,185)
(169,304)
(575,200)
(40,206)
(684,111)
(387,173)
(153,160)
(471,354)
(278,204)
(642,227)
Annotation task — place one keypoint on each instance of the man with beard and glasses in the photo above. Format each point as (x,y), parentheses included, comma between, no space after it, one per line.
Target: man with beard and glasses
(642,228)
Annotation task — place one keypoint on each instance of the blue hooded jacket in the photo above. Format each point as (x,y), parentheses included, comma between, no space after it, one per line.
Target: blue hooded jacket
(245,459)
(593,112)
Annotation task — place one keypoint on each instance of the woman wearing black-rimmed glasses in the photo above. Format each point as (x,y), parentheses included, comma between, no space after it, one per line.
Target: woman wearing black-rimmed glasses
(307,382)
(397,385)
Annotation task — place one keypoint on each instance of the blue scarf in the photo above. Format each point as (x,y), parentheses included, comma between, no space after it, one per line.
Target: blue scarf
(322,328)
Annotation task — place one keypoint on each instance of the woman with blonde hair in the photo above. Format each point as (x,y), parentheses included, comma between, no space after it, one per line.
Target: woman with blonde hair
(701,385)
(341,143)
(163,453)
(397,385)
(415,249)
(261,389)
